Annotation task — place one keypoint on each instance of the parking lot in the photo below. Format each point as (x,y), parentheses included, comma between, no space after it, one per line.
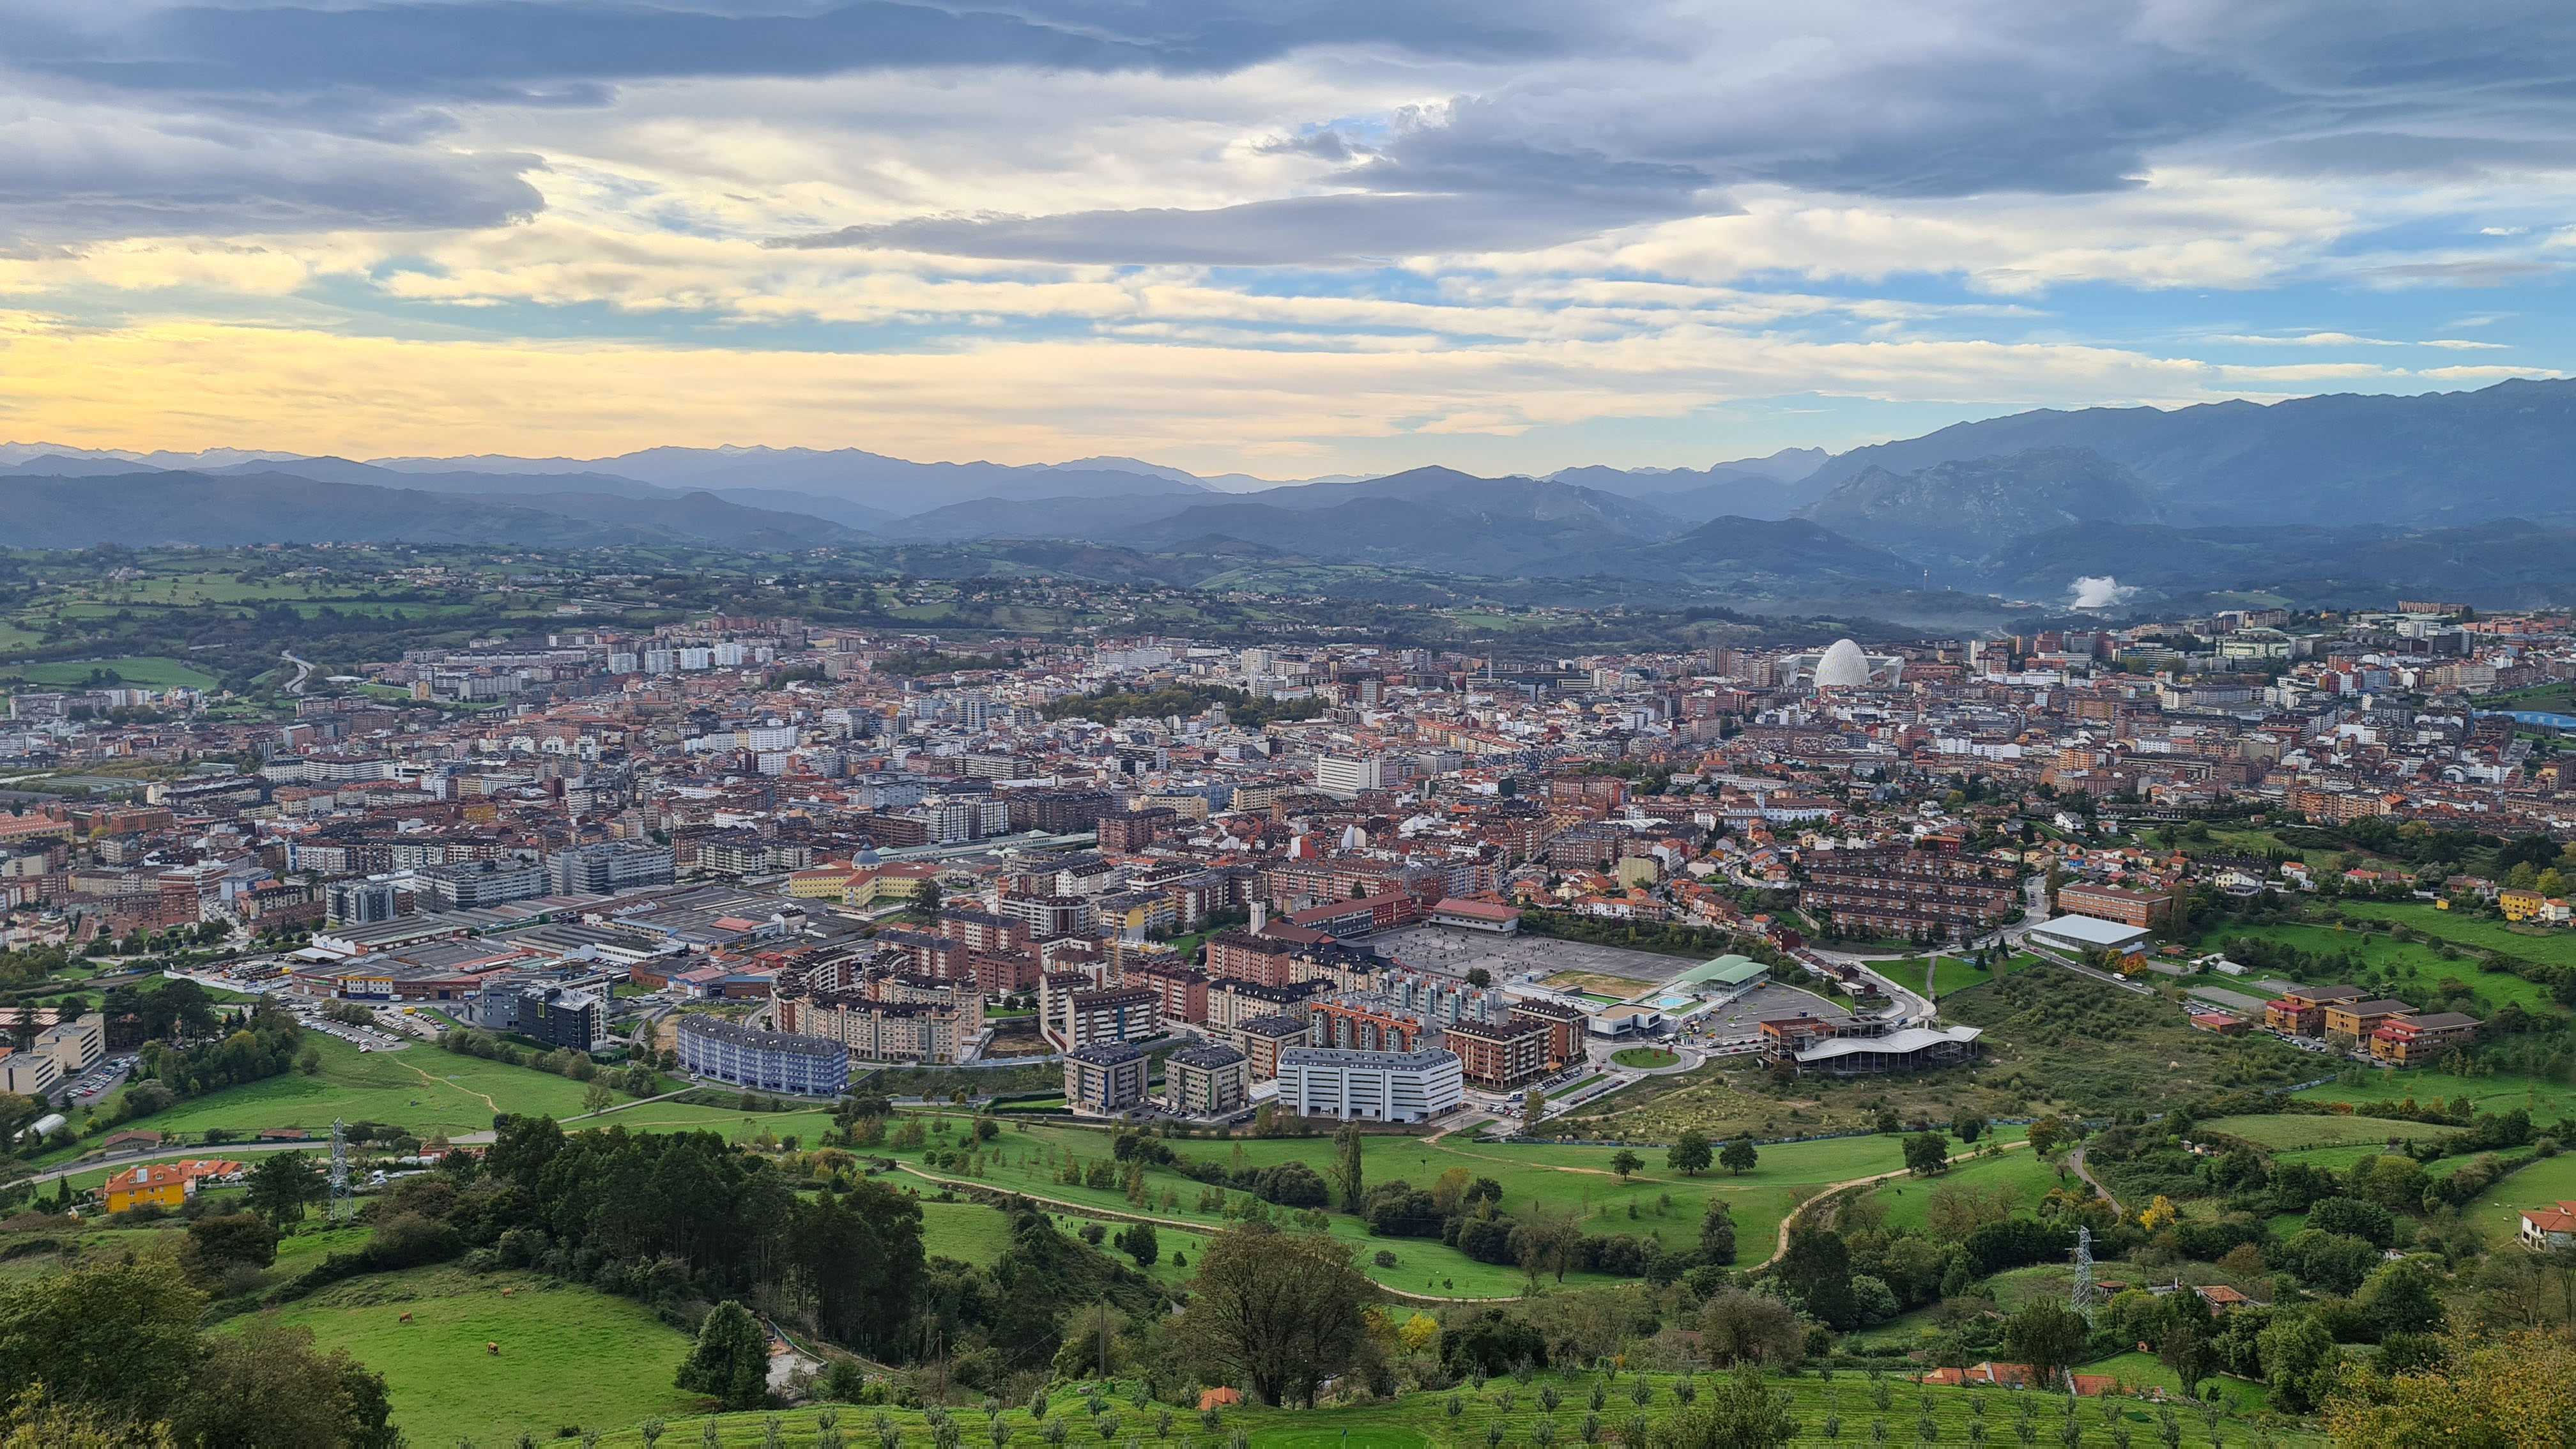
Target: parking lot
(364,1038)
(99,1080)
(1735,1024)
(1455,952)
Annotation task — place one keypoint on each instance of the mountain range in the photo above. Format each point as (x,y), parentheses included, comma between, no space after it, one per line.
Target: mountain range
(2349,496)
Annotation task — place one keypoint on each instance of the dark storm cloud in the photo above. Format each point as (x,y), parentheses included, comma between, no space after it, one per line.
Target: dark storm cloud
(1581,117)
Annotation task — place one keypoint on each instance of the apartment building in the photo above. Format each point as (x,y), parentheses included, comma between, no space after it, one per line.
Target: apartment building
(1499,1055)
(1210,1080)
(2412,1041)
(1105,1078)
(2303,1012)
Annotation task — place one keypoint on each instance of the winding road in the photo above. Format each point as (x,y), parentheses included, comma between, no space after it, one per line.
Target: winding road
(303,671)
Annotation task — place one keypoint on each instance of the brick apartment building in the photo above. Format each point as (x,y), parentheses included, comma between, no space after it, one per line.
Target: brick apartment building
(1499,1055)
(1909,893)
(1568,1030)
(2148,910)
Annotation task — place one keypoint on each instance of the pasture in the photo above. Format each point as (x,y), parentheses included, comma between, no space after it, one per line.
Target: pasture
(1655,1203)
(1842,1410)
(570,1357)
(150,673)
(2496,1213)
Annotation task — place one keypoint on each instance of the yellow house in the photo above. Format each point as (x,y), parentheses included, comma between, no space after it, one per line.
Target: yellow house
(162,1184)
(2522,905)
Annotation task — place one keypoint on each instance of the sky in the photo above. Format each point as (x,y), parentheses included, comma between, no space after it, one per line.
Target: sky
(1290,238)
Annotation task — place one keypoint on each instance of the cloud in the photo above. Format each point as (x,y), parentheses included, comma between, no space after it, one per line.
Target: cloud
(2099,593)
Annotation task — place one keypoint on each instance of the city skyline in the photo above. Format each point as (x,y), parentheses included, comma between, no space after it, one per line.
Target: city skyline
(1312,242)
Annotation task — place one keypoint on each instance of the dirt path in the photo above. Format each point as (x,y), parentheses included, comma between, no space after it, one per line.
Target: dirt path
(1782,1244)
(443,1082)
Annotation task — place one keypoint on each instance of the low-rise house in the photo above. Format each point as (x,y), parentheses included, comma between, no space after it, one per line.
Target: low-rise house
(2547,1229)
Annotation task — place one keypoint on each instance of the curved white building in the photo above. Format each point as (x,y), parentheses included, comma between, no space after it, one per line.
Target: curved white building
(1842,665)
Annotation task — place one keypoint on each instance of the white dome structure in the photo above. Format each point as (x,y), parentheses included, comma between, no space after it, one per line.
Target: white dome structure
(1843,667)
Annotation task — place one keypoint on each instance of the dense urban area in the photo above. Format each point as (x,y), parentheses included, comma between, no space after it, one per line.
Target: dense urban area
(474,997)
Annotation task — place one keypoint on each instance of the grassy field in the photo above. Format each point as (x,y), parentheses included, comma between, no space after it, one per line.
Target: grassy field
(1838,1412)
(1654,1203)
(2296,1133)
(2546,1101)
(2414,962)
(1908,1201)
(569,1356)
(422,1090)
(1956,973)
(1644,1057)
(2496,1213)
(2554,945)
(149,673)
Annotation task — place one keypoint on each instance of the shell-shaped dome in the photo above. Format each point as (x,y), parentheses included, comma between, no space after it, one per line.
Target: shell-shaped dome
(1842,667)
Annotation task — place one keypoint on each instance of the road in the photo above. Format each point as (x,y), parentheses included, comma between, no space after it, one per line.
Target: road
(303,671)
(2075,1159)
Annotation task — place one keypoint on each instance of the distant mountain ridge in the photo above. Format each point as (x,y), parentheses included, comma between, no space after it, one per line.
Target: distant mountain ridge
(2347,491)
(1951,514)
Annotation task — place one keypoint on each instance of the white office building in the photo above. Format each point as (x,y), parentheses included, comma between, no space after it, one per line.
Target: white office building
(1372,1086)
(1349,774)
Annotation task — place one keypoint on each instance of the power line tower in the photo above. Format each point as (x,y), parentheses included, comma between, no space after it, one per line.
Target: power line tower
(2084,1272)
(341,1207)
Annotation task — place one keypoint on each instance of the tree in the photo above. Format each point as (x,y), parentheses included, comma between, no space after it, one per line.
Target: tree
(2048,1336)
(1625,1162)
(597,1097)
(119,1338)
(1479,977)
(224,1239)
(1816,1269)
(1139,1243)
(925,897)
(1346,1165)
(2045,1134)
(1969,1125)
(730,1361)
(1689,1155)
(2511,1392)
(2401,1299)
(282,1187)
(2190,1354)
(267,1387)
(1888,1123)
(1277,1311)
(1738,1412)
(2297,1356)
(1738,1327)
(1739,1156)
(1717,1234)
(1927,1153)
(1533,1105)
